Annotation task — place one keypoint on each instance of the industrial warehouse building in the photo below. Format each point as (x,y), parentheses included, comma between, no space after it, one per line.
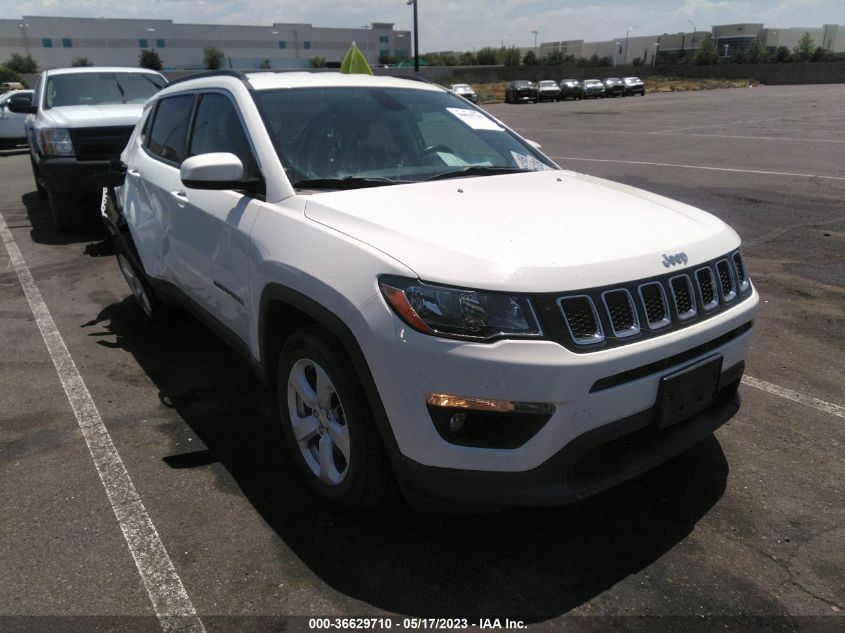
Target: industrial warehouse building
(55,42)
(729,38)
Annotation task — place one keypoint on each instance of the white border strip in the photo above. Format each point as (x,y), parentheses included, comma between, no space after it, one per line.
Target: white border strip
(821,405)
(170,601)
(741,171)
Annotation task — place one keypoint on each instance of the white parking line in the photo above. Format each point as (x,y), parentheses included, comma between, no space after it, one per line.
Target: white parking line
(170,601)
(741,171)
(753,138)
(821,405)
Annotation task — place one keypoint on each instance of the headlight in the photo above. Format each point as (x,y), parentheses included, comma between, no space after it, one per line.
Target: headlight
(459,313)
(56,142)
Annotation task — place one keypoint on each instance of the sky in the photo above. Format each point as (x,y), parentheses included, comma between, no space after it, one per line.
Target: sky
(462,24)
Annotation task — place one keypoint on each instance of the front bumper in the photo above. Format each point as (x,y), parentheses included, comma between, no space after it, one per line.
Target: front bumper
(591,463)
(406,365)
(70,176)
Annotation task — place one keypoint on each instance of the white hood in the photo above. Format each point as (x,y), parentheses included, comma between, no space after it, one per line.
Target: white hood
(93,115)
(535,232)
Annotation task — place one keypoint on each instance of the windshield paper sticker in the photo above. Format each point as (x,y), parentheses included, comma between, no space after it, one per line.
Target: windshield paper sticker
(475,119)
(524,161)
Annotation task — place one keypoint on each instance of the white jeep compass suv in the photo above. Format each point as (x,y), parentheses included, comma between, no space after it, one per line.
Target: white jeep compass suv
(435,301)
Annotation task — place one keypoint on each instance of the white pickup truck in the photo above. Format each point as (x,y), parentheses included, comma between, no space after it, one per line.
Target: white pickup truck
(78,123)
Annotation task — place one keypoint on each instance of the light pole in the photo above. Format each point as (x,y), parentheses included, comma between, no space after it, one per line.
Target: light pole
(727,46)
(616,46)
(368,28)
(25,37)
(416,38)
(535,41)
(693,35)
(627,33)
(656,51)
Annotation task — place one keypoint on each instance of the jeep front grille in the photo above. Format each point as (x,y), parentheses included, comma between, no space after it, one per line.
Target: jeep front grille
(622,313)
(582,319)
(604,317)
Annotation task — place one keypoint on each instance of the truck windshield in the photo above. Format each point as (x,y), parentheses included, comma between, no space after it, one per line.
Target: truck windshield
(101,88)
(376,136)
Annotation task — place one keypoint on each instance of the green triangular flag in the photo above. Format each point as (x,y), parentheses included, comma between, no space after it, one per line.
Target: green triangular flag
(354,62)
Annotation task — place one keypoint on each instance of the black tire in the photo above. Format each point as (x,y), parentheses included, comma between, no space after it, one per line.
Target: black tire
(67,212)
(367,478)
(150,303)
(42,191)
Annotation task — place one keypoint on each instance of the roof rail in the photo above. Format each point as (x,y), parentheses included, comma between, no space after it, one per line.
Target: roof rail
(226,72)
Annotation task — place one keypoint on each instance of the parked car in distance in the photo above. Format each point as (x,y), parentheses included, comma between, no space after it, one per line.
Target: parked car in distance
(465,91)
(593,89)
(634,86)
(78,123)
(520,91)
(355,237)
(571,89)
(12,130)
(613,87)
(548,90)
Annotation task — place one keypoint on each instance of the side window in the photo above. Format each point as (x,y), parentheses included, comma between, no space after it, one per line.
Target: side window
(170,128)
(217,128)
(147,115)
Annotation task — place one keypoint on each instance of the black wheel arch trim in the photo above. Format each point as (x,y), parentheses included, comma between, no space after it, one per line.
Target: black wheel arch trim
(325,318)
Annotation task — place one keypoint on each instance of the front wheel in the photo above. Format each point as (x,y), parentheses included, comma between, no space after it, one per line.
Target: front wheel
(328,423)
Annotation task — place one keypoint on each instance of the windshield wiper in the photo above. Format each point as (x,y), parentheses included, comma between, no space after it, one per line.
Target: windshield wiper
(476,170)
(349,182)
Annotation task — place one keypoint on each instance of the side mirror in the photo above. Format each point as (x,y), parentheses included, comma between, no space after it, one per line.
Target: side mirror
(533,144)
(21,105)
(219,170)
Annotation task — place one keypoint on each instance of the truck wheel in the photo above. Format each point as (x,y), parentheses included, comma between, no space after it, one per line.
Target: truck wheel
(42,192)
(67,212)
(328,422)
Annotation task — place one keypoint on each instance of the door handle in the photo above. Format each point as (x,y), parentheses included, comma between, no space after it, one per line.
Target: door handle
(181,197)
(133,172)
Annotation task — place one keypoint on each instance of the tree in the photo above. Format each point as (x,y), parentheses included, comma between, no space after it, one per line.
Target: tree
(23,64)
(637,61)
(509,56)
(7,74)
(803,51)
(318,62)
(467,59)
(594,60)
(149,59)
(265,64)
(822,55)
(783,54)
(81,61)
(487,56)
(212,58)
(552,58)
(606,61)
(707,53)
(757,52)
(530,59)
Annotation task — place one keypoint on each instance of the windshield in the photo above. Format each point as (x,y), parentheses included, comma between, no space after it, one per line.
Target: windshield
(460,87)
(386,135)
(101,88)
(548,84)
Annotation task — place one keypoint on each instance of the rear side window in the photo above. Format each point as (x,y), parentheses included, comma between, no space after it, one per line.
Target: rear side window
(170,128)
(218,128)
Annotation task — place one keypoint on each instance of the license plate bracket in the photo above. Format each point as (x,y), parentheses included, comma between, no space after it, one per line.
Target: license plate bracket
(688,391)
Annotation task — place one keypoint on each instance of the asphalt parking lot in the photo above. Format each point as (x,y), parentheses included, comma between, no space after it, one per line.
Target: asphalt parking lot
(744,532)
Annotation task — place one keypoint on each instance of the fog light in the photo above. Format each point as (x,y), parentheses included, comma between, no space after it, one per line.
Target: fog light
(487,404)
(457,422)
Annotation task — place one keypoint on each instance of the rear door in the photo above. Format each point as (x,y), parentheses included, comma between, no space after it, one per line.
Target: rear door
(155,192)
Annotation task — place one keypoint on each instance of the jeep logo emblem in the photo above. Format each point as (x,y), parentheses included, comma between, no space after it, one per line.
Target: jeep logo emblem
(674,260)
